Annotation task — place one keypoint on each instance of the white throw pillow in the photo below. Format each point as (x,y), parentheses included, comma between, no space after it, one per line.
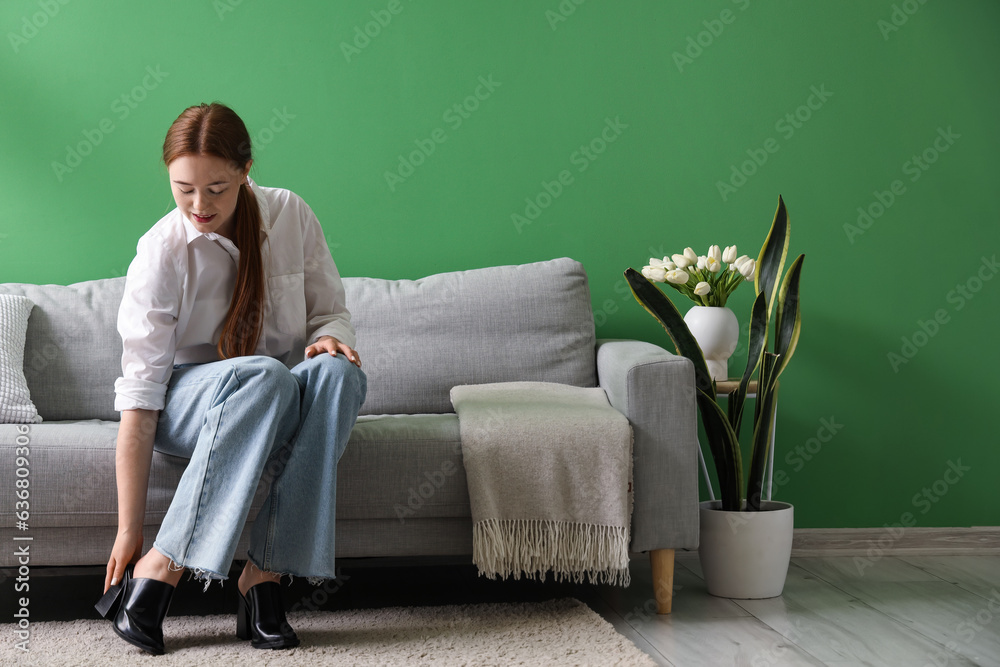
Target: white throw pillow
(15,401)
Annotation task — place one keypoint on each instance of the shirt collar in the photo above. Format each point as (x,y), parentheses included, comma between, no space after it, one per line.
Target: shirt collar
(190,233)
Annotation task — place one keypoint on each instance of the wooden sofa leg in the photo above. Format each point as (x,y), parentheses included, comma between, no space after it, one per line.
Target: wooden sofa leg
(662,562)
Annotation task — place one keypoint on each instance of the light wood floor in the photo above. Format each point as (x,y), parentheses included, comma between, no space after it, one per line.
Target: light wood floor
(905,610)
(911,611)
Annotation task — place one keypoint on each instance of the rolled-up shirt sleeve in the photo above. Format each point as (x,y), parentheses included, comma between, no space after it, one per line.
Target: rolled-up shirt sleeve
(326,304)
(147,322)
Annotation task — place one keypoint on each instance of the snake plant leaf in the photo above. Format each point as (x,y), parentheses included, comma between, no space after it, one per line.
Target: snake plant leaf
(726,453)
(757,343)
(789,318)
(763,428)
(661,308)
(771,261)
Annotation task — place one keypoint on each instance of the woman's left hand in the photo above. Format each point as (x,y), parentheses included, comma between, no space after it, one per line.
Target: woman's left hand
(332,346)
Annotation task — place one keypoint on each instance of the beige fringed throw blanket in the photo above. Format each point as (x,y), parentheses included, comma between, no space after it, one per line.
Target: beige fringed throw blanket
(549,469)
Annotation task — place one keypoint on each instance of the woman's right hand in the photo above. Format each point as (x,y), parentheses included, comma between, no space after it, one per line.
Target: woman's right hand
(127,549)
(133,456)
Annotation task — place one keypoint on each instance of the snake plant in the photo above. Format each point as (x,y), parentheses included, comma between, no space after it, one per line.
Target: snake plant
(777,302)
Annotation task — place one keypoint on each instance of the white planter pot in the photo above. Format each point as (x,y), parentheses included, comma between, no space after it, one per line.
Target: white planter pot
(717,331)
(745,555)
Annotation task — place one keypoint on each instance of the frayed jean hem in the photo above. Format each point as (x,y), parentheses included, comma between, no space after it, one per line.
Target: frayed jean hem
(314,581)
(197,573)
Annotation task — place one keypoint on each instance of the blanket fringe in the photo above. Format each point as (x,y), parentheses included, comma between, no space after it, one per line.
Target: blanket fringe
(533,547)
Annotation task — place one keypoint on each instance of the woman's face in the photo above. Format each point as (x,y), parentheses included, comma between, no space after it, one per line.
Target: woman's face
(205,188)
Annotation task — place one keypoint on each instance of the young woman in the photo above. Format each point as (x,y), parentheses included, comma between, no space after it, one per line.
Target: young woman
(239,356)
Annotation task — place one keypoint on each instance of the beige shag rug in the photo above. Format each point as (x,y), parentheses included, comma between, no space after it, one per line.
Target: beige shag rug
(557,632)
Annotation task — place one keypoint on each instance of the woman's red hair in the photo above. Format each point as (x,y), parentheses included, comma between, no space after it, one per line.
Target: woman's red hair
(215,129)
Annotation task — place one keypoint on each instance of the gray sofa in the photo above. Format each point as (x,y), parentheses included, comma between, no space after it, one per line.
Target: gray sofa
(401,486)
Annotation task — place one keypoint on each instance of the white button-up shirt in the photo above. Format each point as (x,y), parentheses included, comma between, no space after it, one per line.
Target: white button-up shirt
(181,281)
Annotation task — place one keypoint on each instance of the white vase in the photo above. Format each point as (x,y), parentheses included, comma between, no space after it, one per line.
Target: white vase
(717,331)
(745,555)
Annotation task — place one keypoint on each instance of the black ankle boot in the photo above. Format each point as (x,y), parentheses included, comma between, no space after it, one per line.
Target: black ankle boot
(136,608)
(261,618)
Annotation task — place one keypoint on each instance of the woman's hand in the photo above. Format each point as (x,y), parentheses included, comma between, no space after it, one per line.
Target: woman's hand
(127,549)
(332,346)
(133,456)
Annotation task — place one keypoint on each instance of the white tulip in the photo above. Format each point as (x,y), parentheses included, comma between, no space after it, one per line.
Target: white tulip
(655,274)
(690,254)
(702,262)
(714,252)
(712,264)
(702,288)
(738,262)
(729,254)
(677,277)
(682,262)
(669,266)
(748,269)
(656,263)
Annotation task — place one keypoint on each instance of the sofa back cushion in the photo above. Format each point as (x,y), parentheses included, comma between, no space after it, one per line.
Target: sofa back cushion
(417,338)
(72,352)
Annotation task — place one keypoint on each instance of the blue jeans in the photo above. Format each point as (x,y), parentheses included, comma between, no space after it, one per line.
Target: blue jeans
(248,419)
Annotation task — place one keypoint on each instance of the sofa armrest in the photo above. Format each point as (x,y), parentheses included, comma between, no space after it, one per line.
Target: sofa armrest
(655,390)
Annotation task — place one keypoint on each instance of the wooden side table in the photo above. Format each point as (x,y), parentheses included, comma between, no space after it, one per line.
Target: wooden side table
(722,389)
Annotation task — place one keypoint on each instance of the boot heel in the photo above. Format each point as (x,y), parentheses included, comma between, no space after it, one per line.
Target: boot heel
(261,618)
(109,603)
(242,619)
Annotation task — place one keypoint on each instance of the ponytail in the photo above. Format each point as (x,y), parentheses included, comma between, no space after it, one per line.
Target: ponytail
(242,327)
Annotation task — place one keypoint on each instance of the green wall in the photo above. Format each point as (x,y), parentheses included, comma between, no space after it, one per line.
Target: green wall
(333,112)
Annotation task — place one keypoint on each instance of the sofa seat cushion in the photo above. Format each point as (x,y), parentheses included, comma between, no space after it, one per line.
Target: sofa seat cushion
(395,467)
(403,467)
(72,473)
(72,476)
